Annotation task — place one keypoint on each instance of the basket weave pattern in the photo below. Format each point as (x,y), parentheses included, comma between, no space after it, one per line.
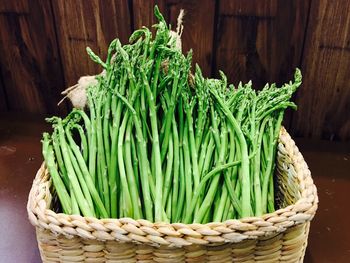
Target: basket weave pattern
(276,237)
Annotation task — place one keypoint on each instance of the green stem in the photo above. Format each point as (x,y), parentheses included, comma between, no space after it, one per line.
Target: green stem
(83,205)
(270,197)
(214,183)
(175,191)
(134,193)
(106,122)
(169,206)
(273,133)
(246,209)
(113,166)
(61,190)
(144,164)
(84,143)
(92,140)
(103,170)
(203,152)
(168,171)
(135,162)
(59,159)
(193,150)
(155,148)
(257,170)
(188,168)
(219,213)
(126,205)
(75,206)
(86,176)
(182,188)
(80,176)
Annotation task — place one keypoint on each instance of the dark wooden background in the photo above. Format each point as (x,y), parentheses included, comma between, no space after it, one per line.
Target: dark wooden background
(42,49)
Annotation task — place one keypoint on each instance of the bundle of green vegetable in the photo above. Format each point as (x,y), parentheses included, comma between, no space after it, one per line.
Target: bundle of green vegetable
(159,142)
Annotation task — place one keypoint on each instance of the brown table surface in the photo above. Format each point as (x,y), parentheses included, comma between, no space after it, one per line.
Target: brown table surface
(20,158)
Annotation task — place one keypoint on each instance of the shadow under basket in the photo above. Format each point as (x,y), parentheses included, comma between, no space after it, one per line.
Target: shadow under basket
(280,236)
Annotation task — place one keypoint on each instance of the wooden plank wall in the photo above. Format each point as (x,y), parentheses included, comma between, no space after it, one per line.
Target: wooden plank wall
(3,102)
(42,49)
(198,21)
(260,40)
(30,61)
(92,23)
(324,100)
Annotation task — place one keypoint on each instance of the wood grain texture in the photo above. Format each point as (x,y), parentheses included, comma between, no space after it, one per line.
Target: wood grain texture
(260,40)
(29,58)
(198,25)
(143,12)
(17,7)
(324,100)
(3,102)
(198,29)
(43,49)
(88,23)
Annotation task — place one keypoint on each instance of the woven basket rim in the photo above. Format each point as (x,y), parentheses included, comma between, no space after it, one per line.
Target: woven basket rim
(176,234)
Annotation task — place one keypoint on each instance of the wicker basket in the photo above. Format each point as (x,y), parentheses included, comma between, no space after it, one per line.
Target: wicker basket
(276,237)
